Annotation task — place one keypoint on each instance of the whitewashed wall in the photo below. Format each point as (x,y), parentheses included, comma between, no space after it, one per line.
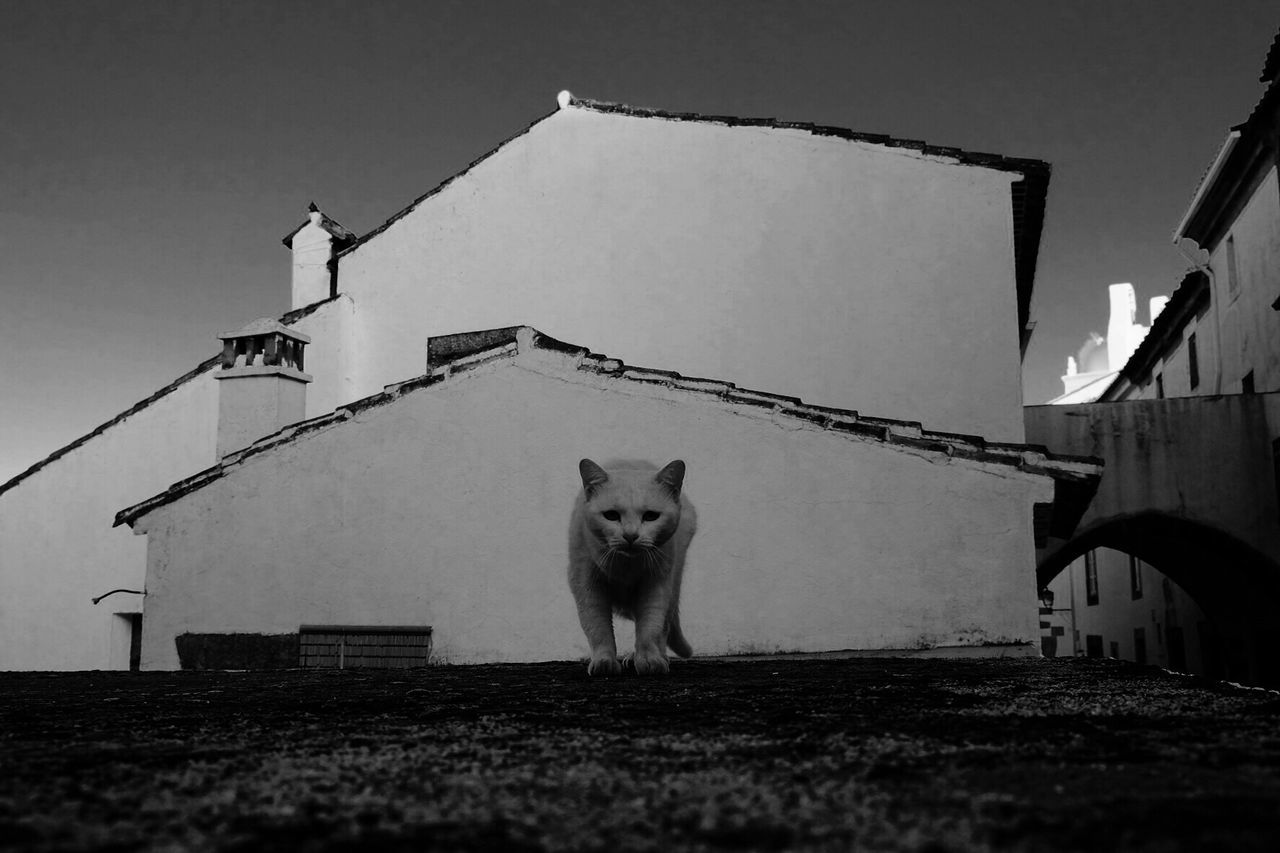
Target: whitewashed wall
(449,508)
(57,546)
(841,272)
(1249,327)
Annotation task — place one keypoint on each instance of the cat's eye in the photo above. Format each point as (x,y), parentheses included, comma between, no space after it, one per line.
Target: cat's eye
(650,515)
(612,515)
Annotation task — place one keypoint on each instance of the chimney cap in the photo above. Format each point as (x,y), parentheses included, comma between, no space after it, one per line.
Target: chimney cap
(342,237)
(265,326)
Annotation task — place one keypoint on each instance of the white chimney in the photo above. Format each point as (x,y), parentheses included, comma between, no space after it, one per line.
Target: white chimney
(314,244)
(262,386)
(1123,334)
(1156,305)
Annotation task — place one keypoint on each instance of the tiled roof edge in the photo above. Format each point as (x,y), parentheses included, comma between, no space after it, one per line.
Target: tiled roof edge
(405,211)
(1183,302)
(1271,65)
(972,158)
(1035,172)
(504,343)
(287,319)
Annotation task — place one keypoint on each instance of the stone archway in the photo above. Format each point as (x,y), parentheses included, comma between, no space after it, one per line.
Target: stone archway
(1237,586)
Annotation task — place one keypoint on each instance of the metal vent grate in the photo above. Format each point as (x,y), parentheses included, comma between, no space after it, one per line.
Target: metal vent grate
(375,647)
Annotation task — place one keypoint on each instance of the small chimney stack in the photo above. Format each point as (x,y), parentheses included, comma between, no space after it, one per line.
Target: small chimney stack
(314,244)
(262,384)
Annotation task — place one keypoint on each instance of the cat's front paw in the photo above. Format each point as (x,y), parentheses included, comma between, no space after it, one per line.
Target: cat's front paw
(650,662)
(604,664)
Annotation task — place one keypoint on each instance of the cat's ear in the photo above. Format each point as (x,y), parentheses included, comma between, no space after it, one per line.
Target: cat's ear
(593,476)
(672,477)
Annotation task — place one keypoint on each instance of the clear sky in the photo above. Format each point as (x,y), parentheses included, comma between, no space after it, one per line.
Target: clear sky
(152,155)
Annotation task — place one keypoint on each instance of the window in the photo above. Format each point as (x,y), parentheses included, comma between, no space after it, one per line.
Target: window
(1140,645)
(1093,645)
(1159,386)
(376,647)
(1246,384)
(1193,361)
(1233,273)
(1135,578)
(1091,580)
(1115,650)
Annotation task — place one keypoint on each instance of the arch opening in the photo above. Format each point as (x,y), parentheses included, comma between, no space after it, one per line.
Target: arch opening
(1178,593)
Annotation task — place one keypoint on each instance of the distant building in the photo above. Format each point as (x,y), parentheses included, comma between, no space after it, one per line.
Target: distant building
(1109,603)
(814,261)
(1219,333)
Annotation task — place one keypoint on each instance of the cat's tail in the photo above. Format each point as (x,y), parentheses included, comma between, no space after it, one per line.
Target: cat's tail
(676,640)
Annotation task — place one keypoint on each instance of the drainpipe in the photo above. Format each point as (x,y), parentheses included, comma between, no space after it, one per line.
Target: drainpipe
(1217,316)
(114,591)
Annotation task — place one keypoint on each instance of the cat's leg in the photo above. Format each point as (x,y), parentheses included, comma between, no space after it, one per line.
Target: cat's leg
(595,614)
(651,630)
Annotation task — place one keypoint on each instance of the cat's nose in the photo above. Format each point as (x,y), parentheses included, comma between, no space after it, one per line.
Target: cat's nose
(631,537)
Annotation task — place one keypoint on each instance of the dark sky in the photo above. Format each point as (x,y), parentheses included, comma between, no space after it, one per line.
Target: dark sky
(152,155)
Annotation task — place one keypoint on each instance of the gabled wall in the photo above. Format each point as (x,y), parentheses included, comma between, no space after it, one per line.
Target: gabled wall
(57,547)
(449,507)
(863,276)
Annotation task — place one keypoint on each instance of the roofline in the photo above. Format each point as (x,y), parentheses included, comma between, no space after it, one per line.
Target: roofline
(1271,65)
(1061,400)
(204,366)
(360,241)
(1210,176)
(999,162)
(1028,197)
(456,354)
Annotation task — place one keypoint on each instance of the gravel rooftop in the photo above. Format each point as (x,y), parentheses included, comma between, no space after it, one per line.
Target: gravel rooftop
(766,754)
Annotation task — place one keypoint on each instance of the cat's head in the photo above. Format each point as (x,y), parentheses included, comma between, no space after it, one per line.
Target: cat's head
(629,509)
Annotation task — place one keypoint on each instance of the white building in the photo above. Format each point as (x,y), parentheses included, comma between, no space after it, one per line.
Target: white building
(814,261)
(1219,333)
(441,506)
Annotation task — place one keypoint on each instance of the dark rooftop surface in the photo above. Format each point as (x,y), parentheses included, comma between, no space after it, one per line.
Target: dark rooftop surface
(878,754)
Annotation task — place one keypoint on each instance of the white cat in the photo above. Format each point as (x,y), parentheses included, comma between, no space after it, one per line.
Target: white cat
(628,536)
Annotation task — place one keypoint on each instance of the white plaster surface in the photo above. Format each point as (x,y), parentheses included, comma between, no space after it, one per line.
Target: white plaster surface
(57,546)
(449,508)
(312,248)
(837,271)
(251,405)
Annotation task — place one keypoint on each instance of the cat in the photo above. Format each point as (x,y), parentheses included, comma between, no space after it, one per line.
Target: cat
(628,536)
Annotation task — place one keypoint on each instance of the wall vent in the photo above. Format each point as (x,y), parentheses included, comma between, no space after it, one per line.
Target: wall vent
(369,646)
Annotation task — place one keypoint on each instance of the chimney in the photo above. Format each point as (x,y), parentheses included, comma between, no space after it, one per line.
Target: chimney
(314,244)
(1122,336)
(262,386)
(1156,305)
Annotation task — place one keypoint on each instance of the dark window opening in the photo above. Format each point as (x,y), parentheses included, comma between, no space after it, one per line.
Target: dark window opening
(1093,645)
(135,641)
(1193,361)
(1246,384)
(1135,578)
(1140,645)
(1115,650)
(1159,386)
(1091,578)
